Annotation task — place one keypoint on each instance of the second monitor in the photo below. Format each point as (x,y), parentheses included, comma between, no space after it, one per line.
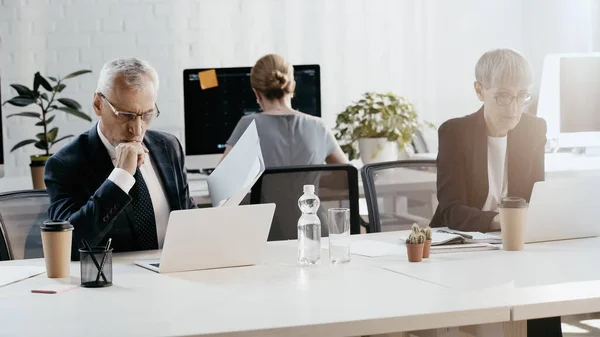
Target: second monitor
(215,101)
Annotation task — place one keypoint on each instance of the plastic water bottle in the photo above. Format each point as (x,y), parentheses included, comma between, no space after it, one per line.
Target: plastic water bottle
(309,227)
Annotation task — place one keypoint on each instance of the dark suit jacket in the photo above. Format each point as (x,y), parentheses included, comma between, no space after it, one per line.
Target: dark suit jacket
(462,173)
(76,181)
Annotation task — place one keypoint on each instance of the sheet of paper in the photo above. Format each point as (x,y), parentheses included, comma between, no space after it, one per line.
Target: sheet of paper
(208,79)
(11,274)
(233,178)
(373,248)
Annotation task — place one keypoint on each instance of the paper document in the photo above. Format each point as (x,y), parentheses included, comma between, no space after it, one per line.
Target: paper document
(233,178)
(444,235)
(372,248)
(461,248)
(11,274)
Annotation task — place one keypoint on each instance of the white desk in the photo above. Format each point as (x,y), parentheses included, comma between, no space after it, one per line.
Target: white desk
(545,280)
(277,298)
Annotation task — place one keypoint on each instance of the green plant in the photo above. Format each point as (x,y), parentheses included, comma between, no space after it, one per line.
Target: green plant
(416,235)
(377,115)
(427,232)
(47,105)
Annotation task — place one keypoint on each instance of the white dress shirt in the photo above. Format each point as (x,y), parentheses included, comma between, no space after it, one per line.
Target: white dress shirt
(497,173)
(125,181)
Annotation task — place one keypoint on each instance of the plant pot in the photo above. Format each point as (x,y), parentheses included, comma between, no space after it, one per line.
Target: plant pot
(426,248)
(37,165)
(375,150)
(414,252)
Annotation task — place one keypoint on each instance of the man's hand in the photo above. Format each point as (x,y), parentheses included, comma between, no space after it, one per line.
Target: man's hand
(130,156)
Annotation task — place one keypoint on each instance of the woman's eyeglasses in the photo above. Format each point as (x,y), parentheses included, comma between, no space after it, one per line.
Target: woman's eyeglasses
(146,117)
(504,99)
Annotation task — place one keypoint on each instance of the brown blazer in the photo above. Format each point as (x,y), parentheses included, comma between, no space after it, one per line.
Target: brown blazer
(462,174)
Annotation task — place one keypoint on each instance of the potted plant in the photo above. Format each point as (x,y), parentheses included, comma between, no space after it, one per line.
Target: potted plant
(47,104)
(427,245)
(380,124)
(414,244)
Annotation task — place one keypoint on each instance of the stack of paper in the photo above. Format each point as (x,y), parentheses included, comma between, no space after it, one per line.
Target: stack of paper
(441,236)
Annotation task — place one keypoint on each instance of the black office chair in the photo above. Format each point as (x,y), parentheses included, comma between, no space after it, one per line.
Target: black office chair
(400,193)
(21,215)
(336,186)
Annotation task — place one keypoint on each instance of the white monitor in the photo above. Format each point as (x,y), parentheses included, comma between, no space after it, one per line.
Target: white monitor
(570,99)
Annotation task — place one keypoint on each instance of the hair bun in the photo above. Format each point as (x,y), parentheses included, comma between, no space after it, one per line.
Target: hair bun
(280,79)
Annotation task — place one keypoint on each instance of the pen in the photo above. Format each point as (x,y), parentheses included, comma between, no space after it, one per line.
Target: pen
(89,248)
(103,259)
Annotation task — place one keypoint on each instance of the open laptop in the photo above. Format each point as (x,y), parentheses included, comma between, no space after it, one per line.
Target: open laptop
(208,238)
(563,209)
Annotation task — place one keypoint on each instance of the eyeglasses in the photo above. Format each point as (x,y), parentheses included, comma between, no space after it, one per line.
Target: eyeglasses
(146,117)
(504,99)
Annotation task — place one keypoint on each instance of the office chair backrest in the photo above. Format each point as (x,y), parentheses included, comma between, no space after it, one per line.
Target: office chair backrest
(400,193)
(336,186)
(21,214)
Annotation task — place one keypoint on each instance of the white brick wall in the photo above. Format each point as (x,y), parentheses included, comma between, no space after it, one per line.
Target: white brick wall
(422,49)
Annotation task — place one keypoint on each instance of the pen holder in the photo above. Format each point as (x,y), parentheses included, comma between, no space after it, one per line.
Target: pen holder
(96,267)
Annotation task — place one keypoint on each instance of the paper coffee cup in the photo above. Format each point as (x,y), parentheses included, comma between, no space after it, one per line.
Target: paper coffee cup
(513,213)
(56,242)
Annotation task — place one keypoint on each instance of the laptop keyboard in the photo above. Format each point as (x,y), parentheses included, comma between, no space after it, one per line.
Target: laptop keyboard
(155,264)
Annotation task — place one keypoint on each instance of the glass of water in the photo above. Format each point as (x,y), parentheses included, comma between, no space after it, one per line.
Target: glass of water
(338,223)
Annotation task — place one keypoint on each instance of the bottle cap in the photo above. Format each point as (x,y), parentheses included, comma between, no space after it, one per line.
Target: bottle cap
(310,189)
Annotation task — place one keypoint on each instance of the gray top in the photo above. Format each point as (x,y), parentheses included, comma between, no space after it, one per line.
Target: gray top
(287,140)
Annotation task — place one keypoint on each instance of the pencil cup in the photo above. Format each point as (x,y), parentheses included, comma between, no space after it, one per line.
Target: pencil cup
(96,267)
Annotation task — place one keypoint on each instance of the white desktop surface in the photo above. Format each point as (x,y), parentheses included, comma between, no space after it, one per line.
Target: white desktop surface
(276,298)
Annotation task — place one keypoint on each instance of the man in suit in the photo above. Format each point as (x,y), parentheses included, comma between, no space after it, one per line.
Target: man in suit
(119,180)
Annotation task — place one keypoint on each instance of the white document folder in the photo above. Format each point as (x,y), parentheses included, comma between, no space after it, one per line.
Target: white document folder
(233,178)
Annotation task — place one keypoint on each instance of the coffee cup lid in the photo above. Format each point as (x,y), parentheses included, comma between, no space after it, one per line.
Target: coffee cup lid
(56,226)
(513,202)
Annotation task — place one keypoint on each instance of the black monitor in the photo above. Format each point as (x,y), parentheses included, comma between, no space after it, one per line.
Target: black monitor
(212,113)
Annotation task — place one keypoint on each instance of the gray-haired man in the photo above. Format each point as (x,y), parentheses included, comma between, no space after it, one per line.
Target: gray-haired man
(118,179)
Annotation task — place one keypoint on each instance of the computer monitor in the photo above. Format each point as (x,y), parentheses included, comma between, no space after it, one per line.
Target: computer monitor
(570,99)
(211,113)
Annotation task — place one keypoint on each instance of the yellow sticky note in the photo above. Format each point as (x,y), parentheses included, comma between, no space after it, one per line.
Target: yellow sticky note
(208,79)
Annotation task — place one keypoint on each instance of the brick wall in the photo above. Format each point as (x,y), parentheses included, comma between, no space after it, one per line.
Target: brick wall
(422,49)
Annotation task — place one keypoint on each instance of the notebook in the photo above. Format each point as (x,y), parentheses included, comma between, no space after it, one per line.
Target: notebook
(447,236)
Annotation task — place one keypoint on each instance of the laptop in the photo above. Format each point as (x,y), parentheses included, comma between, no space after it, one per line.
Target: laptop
(563,209)
(209,238)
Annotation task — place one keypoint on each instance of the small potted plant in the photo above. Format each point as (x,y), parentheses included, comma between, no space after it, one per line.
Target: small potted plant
(377,128)
(47,104)
(414,244)
(427,245)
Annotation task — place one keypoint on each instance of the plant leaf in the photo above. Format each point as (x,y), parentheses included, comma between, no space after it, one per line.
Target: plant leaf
(21,101)
(48,121)
(76,112)
(53,79)
(61,138)
(41,136)
(40,145)
(23,90)
(70,103)
(26,114)
(23,143)
(59,87)
(44,82)
(77,73)
(36,81)
(52,135)
(44,96)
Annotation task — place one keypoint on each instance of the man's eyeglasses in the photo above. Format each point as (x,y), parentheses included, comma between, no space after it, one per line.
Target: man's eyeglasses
(504,99)
(146,117)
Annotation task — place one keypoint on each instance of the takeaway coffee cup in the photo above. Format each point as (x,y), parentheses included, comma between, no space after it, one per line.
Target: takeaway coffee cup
(513,212)
(56,242)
